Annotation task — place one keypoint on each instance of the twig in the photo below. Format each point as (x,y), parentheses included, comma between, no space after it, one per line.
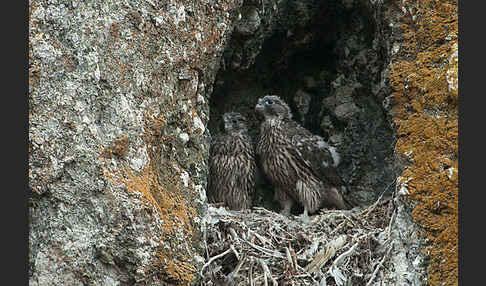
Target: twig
(264,210)
(235,252)
(338,227)
(264,250)
(261,238)
(379,265)
(334,270)
(345,254)
(369,209)
(390,224)
(233,233)
(215,257)
(326,253)
(250,273)
(289,258)
(234,273)
(294,258)
(267,273)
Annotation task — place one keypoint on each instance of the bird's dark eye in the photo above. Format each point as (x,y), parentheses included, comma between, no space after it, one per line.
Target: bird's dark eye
(269,101)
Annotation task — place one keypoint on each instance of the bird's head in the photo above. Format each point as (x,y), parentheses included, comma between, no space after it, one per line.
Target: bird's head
(272,107)
(234,123)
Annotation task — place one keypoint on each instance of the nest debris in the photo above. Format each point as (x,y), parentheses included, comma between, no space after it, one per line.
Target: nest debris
(261,247)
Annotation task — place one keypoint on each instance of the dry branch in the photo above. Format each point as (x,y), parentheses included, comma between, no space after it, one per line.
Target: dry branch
(326,253)
(267,248)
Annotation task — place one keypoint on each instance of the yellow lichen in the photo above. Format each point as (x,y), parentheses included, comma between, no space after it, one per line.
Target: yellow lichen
(160,186)
(118,148)
(426,111)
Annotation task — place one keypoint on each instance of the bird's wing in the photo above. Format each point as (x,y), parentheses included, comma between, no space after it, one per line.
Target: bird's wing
(215,150)
(316,153)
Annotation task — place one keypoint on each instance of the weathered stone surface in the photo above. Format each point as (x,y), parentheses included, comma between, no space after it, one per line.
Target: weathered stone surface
(120,96)
(424,106)
(117,138)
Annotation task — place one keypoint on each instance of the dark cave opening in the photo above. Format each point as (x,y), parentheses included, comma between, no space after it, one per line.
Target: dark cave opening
(333,64)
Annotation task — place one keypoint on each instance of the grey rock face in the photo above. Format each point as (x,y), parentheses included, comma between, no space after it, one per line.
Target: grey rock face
(119,106)
(117,138)
(410,264)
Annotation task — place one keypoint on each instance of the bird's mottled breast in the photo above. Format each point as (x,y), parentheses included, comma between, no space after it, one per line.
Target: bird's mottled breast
(232,145)
(272,148)
(272,137)
(232,171)
(230,151)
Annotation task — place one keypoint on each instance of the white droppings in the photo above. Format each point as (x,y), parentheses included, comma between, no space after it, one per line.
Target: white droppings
(417,261)
(97,73)
(139,159)
(184,136)
(198,36)
(93,128)
(200,99)
(198,124)
(55,165)
(199,259)
(71,88)
(450,172)
(185,178)
(335,156)
(403,186)
(180,15)
(451,75)
(396,48)
(159,21)
(143,256)
(201,191)
(403,190)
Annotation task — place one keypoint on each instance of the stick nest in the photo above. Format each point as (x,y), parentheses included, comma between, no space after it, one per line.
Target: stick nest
(261,247)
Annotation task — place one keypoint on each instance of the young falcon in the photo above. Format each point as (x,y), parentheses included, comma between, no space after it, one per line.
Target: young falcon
(300,165)
(232,166)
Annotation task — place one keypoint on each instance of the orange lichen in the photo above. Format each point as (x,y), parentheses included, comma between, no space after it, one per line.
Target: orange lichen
(426,111)
(118,148)
(168,200)
(175,212)
(160,186)
(114,30)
